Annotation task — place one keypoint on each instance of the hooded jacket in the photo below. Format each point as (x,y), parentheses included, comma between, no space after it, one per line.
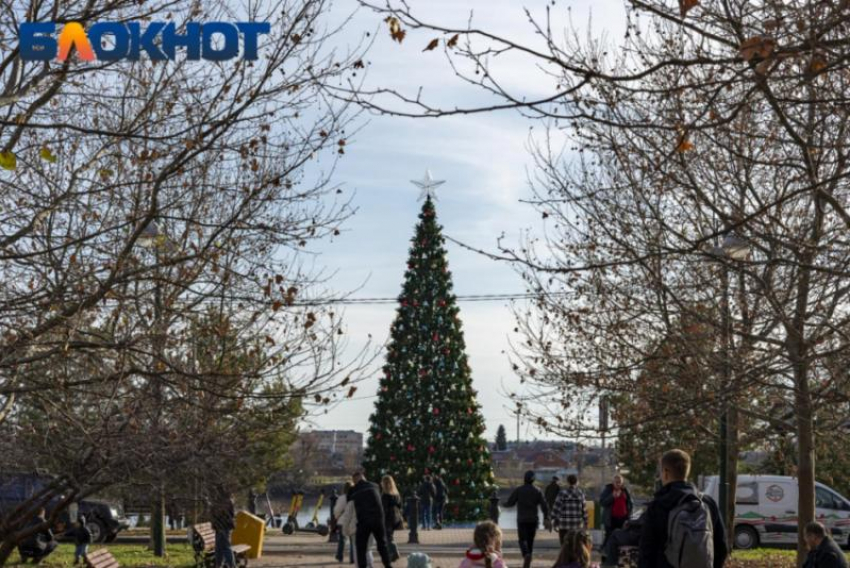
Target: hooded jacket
(475,558)
(527,499)
(653,537)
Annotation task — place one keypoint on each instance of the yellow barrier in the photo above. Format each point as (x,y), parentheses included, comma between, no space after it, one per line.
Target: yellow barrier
(249,530)
(591,513)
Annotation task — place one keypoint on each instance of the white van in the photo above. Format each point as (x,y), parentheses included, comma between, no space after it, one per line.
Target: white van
(766,510)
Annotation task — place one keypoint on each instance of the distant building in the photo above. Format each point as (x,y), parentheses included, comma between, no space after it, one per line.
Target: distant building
(328,451)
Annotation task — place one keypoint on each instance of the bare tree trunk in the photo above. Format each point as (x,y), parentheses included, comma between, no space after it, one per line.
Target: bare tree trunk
(732,474)
(805,459)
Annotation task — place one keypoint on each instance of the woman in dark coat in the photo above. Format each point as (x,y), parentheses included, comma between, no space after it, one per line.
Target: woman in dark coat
(391,502)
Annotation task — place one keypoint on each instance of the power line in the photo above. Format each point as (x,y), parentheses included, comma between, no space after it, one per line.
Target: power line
(460,298)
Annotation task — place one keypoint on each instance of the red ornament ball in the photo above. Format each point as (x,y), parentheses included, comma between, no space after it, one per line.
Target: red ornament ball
(410,447)
(436,411)
(431,449)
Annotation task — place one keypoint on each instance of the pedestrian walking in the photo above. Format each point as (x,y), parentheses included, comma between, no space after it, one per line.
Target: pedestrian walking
(575,552)
(552,491)
(348,523)
(823,551)
(487,547)
(617,505)
(41,543)
(528,498)
(82,539)
(223,522)
(366,497)
(683,528)
(440,499)
(570,511)
(391,502)
(427,492)
(342,533)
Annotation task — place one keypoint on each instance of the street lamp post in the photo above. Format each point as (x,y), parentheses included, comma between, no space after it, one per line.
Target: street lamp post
(152,237)
(732,248)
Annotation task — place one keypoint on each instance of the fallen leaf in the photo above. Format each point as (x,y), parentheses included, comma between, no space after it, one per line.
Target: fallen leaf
(685,6)
(432,45)
(758,47)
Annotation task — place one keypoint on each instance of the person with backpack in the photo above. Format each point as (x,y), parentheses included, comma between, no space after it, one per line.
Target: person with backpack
(570,511)
(683,528)
(528,498)
(617,505)
(440,500)
(823,551)
(426,494)
(391,502)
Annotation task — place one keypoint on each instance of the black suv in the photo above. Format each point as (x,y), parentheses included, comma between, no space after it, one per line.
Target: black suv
(103,519)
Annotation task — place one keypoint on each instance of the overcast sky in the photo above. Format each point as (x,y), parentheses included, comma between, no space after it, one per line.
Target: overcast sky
(485,162)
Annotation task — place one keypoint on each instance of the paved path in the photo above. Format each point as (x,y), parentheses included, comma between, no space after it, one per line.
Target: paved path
(445,547)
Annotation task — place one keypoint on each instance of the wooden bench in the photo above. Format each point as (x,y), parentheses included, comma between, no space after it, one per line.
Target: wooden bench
(203,543)
(100,558)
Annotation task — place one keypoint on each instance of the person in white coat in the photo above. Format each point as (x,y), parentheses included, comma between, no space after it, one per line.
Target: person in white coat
(346,519)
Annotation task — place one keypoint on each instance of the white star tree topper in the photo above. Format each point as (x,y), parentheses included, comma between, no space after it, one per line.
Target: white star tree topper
(428,185)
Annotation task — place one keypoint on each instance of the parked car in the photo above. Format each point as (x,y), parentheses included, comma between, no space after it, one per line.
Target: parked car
(766,510)
(103,519)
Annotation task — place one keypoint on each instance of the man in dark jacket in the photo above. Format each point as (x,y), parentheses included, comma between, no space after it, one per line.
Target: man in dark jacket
(440,500)
(528,498)
(823,551)
(552,491)
(675,467)
(617,505)
(223,522)
(366,497)
(426,493)
(40,544)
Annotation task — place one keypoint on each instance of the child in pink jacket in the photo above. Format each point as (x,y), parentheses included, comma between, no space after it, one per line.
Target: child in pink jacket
(487,552)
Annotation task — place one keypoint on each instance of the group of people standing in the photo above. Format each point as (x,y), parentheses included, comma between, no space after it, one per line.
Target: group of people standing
(433,495)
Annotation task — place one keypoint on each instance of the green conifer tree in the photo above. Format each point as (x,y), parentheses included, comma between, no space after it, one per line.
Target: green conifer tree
(426,419)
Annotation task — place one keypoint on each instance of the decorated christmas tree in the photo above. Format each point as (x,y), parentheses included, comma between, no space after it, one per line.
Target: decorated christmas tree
(426,418)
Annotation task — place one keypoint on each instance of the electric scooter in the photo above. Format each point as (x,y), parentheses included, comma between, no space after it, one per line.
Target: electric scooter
(313,526)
